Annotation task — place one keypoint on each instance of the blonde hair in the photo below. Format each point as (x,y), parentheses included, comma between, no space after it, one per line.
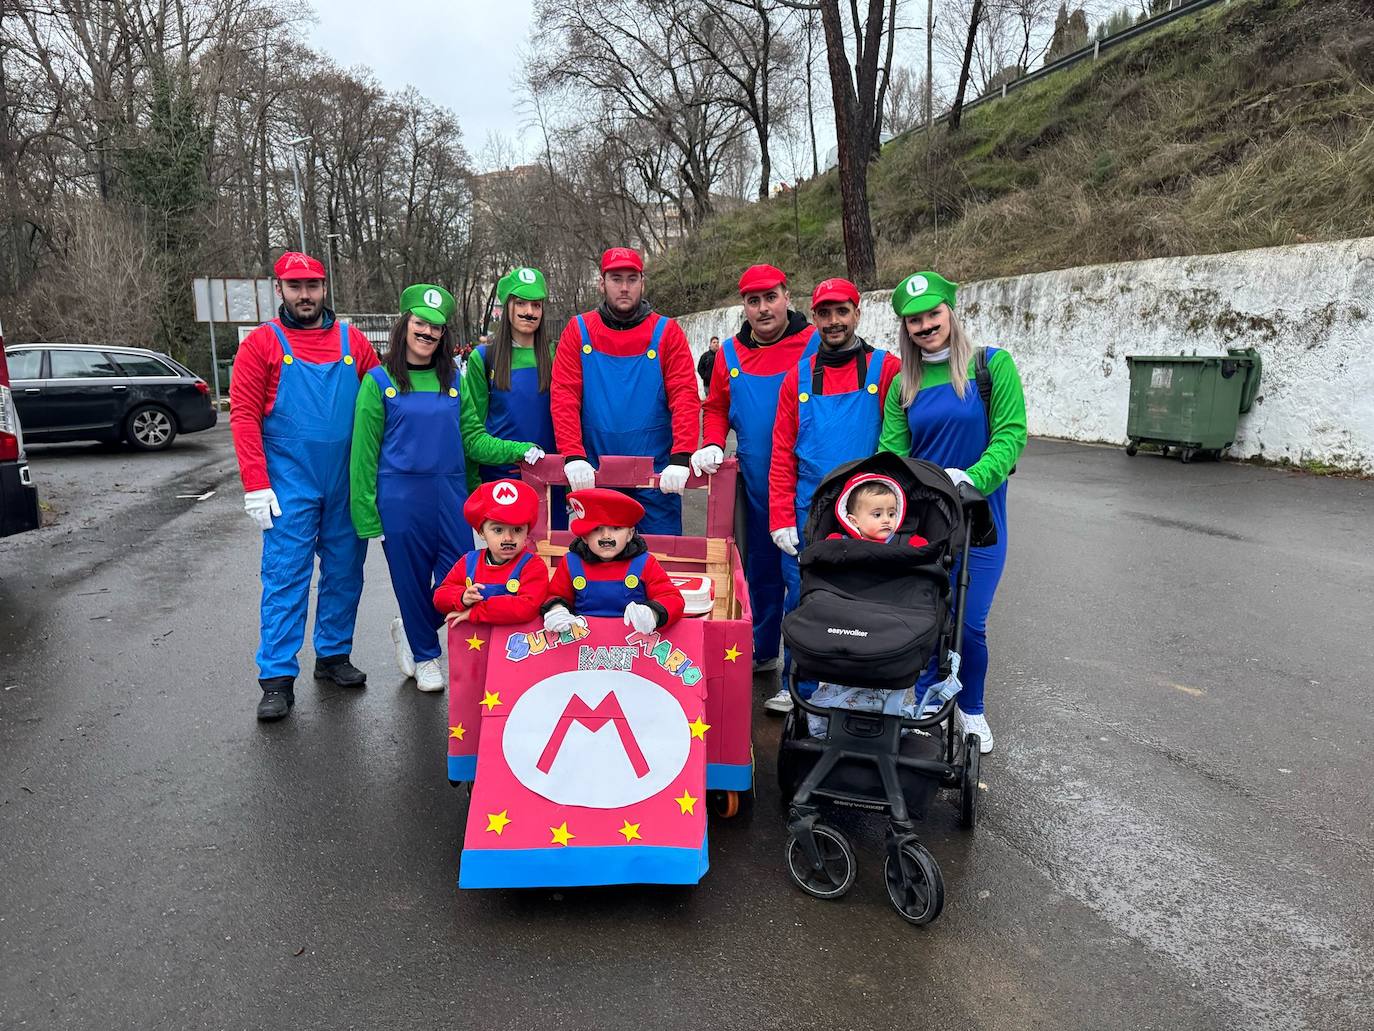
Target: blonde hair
(960,353)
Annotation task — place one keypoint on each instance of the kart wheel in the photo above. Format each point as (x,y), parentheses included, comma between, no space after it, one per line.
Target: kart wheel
(1132,448)
(968,793)
(725,804)
(916,889)
(838,867)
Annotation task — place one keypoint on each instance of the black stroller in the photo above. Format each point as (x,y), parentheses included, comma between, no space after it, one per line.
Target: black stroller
(871,615)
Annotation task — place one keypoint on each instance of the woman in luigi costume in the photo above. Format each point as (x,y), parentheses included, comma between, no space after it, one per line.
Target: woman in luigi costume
(407,473)
(935,410)
(506,388)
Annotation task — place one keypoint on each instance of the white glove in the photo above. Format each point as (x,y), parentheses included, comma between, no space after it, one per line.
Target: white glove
(558,619)
(261,506)
(641,617)
(958,476)
(673,480)
(533,455)
(707,460)
(786,539)
(580,474)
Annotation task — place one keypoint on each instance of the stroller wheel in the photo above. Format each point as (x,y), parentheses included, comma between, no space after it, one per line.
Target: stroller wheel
(838,867)
(968,792)
(916,888)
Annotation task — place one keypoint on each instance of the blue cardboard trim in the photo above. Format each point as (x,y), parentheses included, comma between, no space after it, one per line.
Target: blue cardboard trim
(571,867)
(462,767)
(725,777)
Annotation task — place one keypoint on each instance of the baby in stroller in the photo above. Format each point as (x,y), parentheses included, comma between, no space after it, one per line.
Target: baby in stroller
(876,609)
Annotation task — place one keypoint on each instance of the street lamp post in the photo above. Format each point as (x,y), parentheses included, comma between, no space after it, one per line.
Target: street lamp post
(329,239)
(295,179)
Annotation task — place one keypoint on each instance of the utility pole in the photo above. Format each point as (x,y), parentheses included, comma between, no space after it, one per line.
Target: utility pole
(296,181)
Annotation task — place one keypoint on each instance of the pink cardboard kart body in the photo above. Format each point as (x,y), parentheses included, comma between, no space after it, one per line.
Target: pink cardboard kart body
(602,705)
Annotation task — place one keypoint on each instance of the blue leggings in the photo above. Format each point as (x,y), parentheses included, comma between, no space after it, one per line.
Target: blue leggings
(985,572)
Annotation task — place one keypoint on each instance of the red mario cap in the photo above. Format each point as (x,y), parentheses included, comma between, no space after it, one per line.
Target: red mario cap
(834,290)
(502,501)
(761,277)
(621,258)
(601,506)
(295,265)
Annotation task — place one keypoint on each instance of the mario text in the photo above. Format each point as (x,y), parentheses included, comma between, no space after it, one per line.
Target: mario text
(674,660)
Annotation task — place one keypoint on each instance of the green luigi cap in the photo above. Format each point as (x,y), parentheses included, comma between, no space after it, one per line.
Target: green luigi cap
(524,283)
(922,292)
(432,303)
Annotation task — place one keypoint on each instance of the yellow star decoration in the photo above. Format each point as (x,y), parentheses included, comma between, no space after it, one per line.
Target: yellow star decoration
(699,728)
(474,642)
(561,834)
(457,732)
(491,699)
(687,802)
(631,832)
(496,822)
(732,653)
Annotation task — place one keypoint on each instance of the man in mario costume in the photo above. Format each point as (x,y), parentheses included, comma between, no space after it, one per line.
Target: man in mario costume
(623,384)
(501,582)
(743,396)
(291,399)
(608,571)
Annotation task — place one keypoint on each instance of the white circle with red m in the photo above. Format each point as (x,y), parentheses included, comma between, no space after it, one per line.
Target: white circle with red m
(597,738)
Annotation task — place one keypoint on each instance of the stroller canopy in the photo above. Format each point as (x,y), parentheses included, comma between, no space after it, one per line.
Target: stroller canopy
(930,504)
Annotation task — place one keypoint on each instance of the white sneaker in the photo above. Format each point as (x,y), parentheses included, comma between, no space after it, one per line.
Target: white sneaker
(404,659)
(976,725)
(429,676)
(780,702)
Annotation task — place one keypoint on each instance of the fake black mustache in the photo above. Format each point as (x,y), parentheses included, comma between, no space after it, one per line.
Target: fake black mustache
(605,542)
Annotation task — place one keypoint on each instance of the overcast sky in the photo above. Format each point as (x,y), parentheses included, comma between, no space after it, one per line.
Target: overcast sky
(463,55)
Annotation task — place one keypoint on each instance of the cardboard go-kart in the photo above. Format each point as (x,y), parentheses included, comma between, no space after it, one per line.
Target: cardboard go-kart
(595,754)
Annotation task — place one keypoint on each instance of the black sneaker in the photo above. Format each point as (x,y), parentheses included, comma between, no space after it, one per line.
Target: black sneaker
(278,695)
(338,669)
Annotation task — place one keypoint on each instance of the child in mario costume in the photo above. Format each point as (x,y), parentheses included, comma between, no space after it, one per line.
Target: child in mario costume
(501,583)
(608,571)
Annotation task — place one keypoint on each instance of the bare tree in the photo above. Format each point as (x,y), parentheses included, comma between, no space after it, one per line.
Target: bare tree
(957,110)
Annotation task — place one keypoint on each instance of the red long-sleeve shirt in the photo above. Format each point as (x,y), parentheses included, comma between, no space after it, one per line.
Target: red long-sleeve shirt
(658,588)
(520,607)
(782,472)
(679,380)
(759,360)
(257,371)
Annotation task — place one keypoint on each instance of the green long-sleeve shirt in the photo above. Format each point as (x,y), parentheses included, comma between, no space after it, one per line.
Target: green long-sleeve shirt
(956,441)
(479,445)
(369,423)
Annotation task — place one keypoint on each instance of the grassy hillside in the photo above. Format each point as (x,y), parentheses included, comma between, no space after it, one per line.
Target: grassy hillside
(1248,125)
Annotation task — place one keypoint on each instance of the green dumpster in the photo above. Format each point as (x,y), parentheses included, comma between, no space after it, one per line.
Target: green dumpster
(1190,402)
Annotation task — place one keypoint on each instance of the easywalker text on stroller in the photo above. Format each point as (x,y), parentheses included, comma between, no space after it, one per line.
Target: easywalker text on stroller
(872,615)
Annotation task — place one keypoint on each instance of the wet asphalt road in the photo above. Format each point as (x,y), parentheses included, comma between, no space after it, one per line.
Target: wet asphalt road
(1178,829)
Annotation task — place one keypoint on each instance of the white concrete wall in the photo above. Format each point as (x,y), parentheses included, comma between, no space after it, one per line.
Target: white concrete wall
(1308,309)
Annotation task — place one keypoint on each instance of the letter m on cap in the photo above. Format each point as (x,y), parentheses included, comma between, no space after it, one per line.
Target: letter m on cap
(505,494)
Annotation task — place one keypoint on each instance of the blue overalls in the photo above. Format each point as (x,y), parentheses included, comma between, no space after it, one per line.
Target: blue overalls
(953,433)
(606,597)
(306,440)
(421,488)
(753,411)
(628,415)
(522,413)
(831,429)
(511,584)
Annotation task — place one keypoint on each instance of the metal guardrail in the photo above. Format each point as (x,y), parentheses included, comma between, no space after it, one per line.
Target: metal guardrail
(1090,52)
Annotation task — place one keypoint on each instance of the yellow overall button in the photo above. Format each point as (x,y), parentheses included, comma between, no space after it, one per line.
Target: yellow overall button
(803,397)
(580,582)
(348,359)
(512,585)
(586,348)
(286,359)
(632,581)
(873,388)
(734,373)
(653,353)
(390,391)
(452,391)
